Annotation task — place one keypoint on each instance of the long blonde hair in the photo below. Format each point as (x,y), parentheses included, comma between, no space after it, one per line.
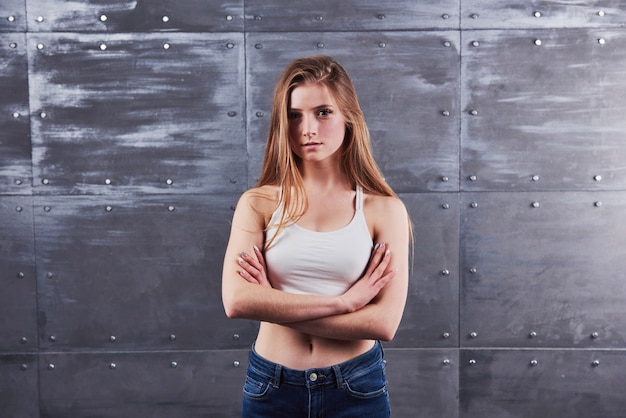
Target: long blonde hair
(280,163)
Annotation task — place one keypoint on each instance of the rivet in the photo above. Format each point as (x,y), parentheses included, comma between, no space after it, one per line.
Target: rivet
(166,46)
(103,18)
(50,275)
(257,17)
(40,46)
(445,272)
(597,204)
(473,334)
(169,182)
(11,18)
(43,115)
(535,204)
(173,364)
(446,362)
(595,363)
(50,366)
(107,181)
(445,178)
(320,45)
(535,178)
(258,46)
(594,335)
(229,18)
(597,178)
(232,113)
(601,41)
(172,336)
(537,14)
(18,181)
(475,43)
(447,44)
(233,181)
(235,363)
(103,47)
(13,45)
(601,13)
(230,45)
(534,362)
(23,340)
(319,18)
(108,208)
(473,270)
(235,337)
(446,335)
(472,362)
(165,19)
(19,208)
(473,178)
(47,208)
(52,338)
(382,44)
(538,42)
(112,366)
(446,113)
(259,114)
(474,205)
(20,275)
(45,181)
(16,115)
(40,19)
(446,206)
(473,112)
(445,16)
(532,334)
(23,367)
(381,16)
(171,209)
(112,338)
(474,16)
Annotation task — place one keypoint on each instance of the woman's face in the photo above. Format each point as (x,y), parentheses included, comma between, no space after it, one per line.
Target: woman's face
(316,125)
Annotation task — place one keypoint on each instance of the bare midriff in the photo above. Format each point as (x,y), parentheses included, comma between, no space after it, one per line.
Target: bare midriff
(297,350)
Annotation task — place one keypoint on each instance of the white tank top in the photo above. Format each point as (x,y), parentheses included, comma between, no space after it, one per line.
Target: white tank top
(303,261)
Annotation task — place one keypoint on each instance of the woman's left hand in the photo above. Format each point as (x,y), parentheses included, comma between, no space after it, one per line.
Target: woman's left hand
(254,270)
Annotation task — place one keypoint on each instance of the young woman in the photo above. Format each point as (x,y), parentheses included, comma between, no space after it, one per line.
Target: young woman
(318,253)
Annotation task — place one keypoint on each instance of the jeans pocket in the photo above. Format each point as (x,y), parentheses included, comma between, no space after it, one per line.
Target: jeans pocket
(368,384)
(257,385)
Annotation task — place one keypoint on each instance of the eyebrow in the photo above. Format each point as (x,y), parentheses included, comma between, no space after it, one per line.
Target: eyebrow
(324,106)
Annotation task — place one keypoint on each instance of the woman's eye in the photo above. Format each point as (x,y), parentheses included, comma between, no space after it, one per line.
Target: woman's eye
(325,112)
(293,115)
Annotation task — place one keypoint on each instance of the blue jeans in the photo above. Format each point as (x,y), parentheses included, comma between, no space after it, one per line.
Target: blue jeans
(355,388)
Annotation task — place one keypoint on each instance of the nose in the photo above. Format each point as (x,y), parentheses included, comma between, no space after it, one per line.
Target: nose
(309,126)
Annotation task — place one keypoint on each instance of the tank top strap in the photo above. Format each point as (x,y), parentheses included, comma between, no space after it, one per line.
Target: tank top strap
(359,197)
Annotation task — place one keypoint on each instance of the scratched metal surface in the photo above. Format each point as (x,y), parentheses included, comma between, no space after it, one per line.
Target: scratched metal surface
(148,268)
(19,394)
(415,145)
(423,383)
(350,15)
(136,113)
(555,111)
(431,314)
(556,270)
(15,146)
(12,16)
(18,297)
(142,384)
(542,13)
(135,16)
(563,383)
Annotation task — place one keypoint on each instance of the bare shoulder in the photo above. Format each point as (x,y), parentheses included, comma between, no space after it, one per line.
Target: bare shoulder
(261,200)
(383,206)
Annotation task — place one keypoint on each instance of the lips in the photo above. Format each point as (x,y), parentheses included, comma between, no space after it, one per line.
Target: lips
(310,145)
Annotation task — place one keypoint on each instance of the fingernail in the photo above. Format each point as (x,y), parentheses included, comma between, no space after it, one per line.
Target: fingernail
(243,254)
(376,247)
(387,253)
(256,249)
(240,260)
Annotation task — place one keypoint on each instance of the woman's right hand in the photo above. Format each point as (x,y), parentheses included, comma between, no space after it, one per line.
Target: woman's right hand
(372,282)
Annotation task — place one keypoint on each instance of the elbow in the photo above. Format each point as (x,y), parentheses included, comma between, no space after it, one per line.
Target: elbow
(387,334)
(232,307)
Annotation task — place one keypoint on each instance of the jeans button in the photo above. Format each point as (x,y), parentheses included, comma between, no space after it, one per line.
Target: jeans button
(313,377)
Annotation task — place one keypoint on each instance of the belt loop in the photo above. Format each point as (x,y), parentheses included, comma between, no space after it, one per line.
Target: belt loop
(277,373)
(338,376)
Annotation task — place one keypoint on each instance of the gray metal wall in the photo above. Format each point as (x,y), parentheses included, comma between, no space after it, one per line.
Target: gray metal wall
(129,128)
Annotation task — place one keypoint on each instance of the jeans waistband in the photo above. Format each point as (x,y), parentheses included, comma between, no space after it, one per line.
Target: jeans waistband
(316,376)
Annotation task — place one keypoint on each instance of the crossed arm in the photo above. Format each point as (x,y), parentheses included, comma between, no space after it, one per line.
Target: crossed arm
(370,309)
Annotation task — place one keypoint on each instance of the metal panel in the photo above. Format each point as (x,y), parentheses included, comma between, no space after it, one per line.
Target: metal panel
(563,383)
(199,384)
(15,157)
(549,269)
(553,110)
(133,274)
(423,383)
(416,146)
(431,314)
(542,13)
(18,299)
(12,16)
(19,388)
(135,16)
(143,113)
(350,15)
